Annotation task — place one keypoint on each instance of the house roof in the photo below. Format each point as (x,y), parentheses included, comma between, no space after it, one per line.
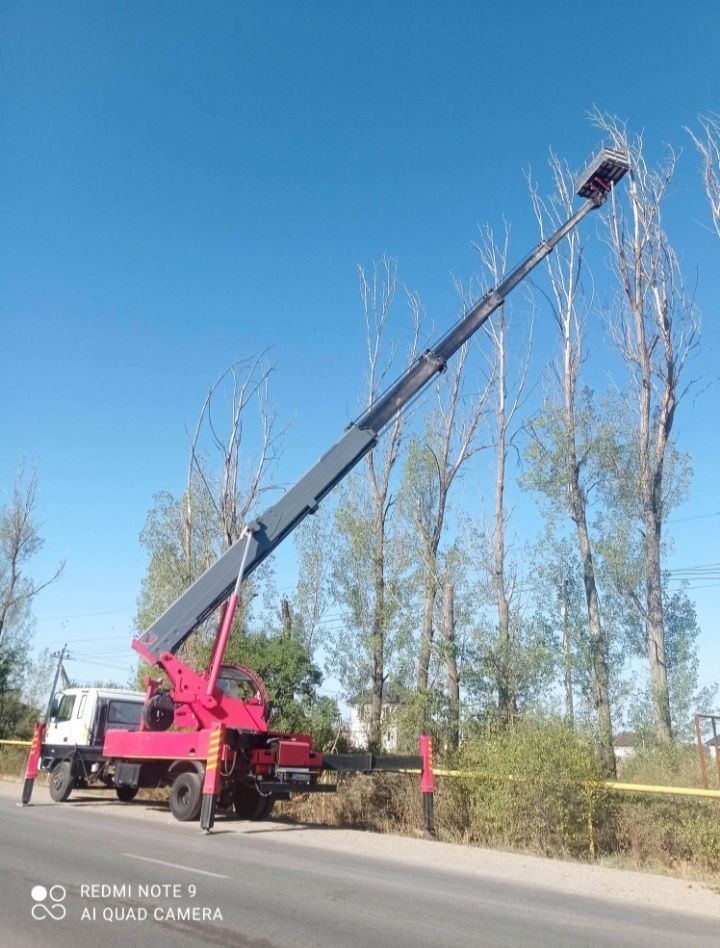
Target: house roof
(626,739)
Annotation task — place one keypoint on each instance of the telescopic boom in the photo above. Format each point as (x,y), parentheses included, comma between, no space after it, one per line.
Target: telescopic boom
(172,628)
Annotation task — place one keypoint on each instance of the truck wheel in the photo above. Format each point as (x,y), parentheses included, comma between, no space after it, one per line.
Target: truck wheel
(60,783)
(267,808)
(126,794)
(250,805)
(186,797)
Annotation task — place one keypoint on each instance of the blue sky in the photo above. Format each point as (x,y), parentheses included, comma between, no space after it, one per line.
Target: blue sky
(185,182)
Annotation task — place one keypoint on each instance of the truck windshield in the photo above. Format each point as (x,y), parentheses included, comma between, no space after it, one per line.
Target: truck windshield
(124,713)
(64,712)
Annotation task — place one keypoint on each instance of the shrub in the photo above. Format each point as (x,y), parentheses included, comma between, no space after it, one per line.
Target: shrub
(529,788)
(676,832)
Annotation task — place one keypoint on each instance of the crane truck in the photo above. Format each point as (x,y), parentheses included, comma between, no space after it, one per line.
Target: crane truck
(207,736)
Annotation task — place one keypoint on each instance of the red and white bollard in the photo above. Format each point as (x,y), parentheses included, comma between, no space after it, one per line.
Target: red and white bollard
(427,781)
(33,762)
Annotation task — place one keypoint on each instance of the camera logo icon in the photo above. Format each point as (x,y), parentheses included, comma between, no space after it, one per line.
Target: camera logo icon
(48,902)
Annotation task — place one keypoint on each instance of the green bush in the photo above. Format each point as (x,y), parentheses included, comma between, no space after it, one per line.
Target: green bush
(12,760)
(530,789)
(666,831)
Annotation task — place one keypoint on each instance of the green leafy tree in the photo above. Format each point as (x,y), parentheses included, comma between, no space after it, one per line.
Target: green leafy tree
(365,574)
(17,716)
(370,585)
(313,593)
(20,541)
(686,696)
(433,464)
(654,328)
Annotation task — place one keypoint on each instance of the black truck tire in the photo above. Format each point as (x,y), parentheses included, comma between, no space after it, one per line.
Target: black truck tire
(251,805)
(60,782)
(126,794)
(186,796)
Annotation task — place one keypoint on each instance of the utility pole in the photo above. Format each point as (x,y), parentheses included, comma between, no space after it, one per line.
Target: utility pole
(60,656)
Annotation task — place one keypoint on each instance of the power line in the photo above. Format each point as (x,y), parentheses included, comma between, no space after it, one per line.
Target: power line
(696,517)
(83,615)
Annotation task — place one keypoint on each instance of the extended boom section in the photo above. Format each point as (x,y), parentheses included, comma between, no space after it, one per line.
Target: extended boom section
(173,627)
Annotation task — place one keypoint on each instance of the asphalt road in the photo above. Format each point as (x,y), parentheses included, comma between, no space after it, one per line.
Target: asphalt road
(260,889)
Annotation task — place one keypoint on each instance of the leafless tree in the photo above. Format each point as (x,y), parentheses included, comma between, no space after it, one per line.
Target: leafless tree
(235,484)
(655,328)
(377,293)
(232,449)
(568,466)
(19,542)
(708,144)
(507,380)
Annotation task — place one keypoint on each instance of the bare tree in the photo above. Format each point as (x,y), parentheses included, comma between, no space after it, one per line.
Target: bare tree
(234,485)
(232,448)
(19,542)
(654,328)
(507,381)
(564,464)
(708,144)
(377,293)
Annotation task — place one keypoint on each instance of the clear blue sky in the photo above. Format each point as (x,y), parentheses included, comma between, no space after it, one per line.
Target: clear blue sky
(184,182)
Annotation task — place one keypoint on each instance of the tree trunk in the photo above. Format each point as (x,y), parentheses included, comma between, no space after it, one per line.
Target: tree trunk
(598,650)
(507,702)
(378,640)
(651,471)
(285,618)
(599,672)
(655,627)
(447,630)
(430,595)
(567,657)
(426,635)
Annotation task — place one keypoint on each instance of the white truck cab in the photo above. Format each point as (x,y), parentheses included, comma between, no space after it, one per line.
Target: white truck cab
(80,716)
(72,749)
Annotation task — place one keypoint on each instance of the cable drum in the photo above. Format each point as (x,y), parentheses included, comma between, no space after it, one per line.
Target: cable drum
(159,713)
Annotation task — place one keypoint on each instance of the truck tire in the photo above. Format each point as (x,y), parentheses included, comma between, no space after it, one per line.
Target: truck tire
(60,783)
(186,797)
(159,713)
(251,805)
(126,794)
